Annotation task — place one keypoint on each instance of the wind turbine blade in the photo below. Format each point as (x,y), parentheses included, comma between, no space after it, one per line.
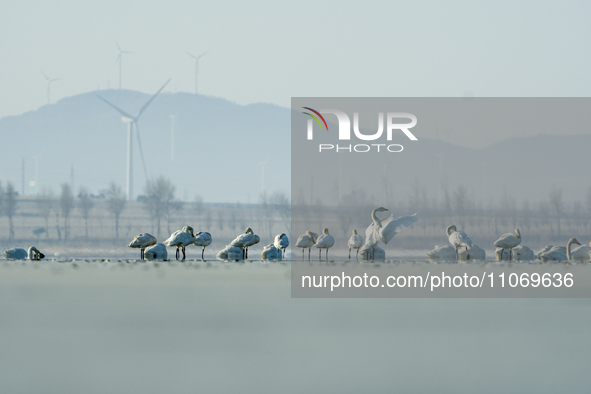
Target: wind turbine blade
(122,112)
(203,54)
(55,79)
(45,75)
(139,143)
(129,52)
(190,54)
(118,47)
(151,99)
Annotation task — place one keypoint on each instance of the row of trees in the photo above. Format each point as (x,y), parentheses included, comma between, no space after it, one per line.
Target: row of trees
(64,205)
(547,217)
(159,202)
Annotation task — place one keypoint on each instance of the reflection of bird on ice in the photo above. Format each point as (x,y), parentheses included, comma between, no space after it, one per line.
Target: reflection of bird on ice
(382,230)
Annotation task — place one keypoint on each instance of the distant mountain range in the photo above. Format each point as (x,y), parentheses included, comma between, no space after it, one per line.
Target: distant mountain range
(217,150)
(219,146)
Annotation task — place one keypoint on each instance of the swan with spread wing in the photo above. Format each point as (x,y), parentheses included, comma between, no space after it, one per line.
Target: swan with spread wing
(384,230)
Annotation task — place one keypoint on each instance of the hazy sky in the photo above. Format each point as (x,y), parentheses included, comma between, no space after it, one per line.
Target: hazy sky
(269,51)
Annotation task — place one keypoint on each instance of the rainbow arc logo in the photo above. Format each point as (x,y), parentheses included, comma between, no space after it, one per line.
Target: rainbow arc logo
(315,118)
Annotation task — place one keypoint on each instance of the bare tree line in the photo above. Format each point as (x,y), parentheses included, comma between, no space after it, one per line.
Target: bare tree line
(549,217)
(159,203)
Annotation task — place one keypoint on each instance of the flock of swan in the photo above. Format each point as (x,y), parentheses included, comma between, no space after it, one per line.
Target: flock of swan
(508,246)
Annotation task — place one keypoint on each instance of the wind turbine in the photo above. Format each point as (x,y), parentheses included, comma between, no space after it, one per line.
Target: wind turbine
(120,59)
(49,81)
(131,122)
(196,58)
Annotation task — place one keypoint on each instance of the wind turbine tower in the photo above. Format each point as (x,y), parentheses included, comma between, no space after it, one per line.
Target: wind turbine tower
(196,58)
(49,81)
(120,60)
(132,121)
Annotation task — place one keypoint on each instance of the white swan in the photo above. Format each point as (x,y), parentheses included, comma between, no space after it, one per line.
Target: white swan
(509,241)
(21,254)
(202,239)
(355,242)
(325,241)
(271,252)
(523,253)
(554,254)
(457,239)
(230,252)
(245,240)
(442,252)
(557,253)
(156,252)
(473,252)
(581,252)
(306,241)
(548,248)
(141,242)
(281,243)
(384,230)
(181,239)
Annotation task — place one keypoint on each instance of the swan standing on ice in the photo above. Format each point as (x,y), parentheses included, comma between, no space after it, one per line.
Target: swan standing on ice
(181,239)
(325,241)
(442,252)
(458,239)
(141,242)
(355,242)
(557,252)
(245,240)
(156,252)
(202,239)
(306,241)
(384,230)
(509,241)
(21,254)
(281,243)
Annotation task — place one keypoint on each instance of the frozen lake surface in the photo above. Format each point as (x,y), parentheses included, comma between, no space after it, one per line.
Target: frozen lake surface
(118,327)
